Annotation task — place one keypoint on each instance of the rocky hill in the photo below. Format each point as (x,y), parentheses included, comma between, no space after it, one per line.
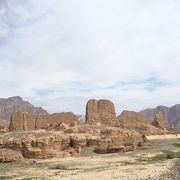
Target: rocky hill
(171,114)
(9,105)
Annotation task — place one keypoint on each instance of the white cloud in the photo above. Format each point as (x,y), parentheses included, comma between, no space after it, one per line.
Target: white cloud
(60,53)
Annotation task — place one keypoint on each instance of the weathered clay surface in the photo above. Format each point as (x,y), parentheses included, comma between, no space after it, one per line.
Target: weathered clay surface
(9,155)
(116,139)
(43,144)
(133,120)
(22,121)
(38,145)
(58,126)
(3,129)
(78,142)
(84,129)
(1,126)
(159,121)
(101,112)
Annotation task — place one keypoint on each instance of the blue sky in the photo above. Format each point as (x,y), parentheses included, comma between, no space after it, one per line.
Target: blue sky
(60,53)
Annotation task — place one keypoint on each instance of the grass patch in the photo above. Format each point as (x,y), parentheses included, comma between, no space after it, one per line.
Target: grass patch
(29,178)
(161,157)
(5,177)
(143,148)
(59,167)
(178,154)
(128,163)
(158,157)
(177,145)
(172,155)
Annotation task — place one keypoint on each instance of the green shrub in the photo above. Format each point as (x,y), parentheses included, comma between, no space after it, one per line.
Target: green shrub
(170,155)
(159,157)
(178,154)
(177,145)
(166,155)
(5,177)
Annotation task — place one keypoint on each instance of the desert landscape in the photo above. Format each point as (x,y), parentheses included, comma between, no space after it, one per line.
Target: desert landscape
(89,90)
(65,146)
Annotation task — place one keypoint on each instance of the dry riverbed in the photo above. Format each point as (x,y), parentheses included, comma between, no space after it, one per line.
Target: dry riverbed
(136,165)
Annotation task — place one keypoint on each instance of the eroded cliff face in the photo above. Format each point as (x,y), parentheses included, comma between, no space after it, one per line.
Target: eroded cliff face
(22,121)
(159,121)
(135,121)
(101,112)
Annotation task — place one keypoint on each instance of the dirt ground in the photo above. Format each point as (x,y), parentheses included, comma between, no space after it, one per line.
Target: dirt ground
(122,166)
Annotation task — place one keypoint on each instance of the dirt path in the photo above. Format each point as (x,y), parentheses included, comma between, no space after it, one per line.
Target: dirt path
(159,137)
(106,167)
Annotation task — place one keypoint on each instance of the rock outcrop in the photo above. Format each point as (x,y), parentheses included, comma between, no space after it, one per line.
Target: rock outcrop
(22,121)
(133,120)
(101,112)
(159,121)
(9,105)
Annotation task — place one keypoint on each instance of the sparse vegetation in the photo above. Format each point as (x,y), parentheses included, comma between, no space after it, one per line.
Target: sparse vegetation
(28,178)
(128,163)
(59,166)
(5,177)
(160,157)
(170,154)
(2,177)
(177,145)
(178,154)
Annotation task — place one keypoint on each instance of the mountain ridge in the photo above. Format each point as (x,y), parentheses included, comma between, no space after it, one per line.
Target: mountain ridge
(171,114)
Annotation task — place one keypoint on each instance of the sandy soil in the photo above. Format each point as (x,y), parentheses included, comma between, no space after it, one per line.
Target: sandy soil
(168,136)
(122,166)
(90,168)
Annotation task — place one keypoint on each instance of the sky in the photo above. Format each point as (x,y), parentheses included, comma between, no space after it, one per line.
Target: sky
(58,54)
